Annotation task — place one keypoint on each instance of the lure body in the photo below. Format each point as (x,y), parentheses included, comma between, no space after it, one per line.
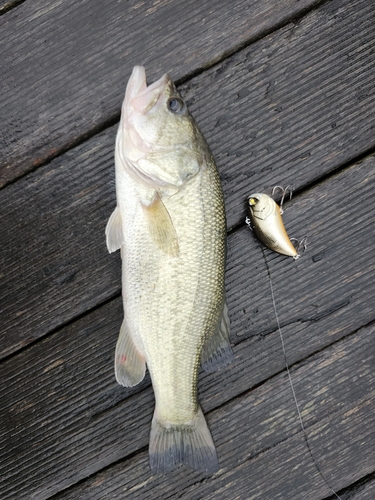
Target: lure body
(266,221)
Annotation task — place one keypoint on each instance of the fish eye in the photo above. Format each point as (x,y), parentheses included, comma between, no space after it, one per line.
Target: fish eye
(176,105)
(253,201)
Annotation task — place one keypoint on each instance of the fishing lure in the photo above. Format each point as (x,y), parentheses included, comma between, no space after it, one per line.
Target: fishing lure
(266,221)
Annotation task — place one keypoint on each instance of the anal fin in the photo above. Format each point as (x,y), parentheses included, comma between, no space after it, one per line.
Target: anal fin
(161,227)
(130,366)
(217,351)
(113,231)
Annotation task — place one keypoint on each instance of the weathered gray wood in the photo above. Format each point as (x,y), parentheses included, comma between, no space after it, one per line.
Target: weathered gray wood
(54,260)
(262,449)
(293,106)
(364,491)
(63,283)
(65,417)
(6,5)
(65,64)
(54,257)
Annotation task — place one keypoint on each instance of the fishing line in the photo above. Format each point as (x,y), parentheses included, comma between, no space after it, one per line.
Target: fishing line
(291,382)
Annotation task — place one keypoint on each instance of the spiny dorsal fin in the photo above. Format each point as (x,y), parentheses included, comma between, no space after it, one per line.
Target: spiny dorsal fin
(161,227)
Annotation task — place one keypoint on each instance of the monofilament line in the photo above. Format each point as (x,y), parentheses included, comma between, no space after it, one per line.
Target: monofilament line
(291,382)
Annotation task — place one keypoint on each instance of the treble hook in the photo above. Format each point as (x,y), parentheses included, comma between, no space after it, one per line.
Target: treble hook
(301,246)
(283,191)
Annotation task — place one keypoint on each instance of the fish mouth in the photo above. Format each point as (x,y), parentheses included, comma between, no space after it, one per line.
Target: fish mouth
(131,144)
(140,97)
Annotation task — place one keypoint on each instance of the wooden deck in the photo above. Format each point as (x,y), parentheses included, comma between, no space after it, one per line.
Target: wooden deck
(283,91)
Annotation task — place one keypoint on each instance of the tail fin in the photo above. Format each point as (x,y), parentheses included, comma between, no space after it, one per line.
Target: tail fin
(189,444)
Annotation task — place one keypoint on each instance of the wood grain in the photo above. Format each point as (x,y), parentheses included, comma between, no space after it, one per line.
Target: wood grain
(54,250)
(298,103)
(65,64)
(363,491)
(54,253)
(6,5)
(258,435)
(63,409)
(292,107)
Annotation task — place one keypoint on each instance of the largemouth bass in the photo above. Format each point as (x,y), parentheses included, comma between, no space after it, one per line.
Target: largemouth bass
(170,226)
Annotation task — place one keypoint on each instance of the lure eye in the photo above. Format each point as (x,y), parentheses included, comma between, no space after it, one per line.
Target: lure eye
(176,105)
(253,201)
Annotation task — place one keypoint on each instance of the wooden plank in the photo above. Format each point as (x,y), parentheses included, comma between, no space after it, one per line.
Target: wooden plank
(54,255)
(256,433)
(65,64)
(6,5)
(54,243)
(283,471)
(287,471)
(57,269)
(364,491)
(62,407)
(293,106)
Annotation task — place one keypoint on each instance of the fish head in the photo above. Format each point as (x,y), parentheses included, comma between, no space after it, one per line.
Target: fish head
(158,141)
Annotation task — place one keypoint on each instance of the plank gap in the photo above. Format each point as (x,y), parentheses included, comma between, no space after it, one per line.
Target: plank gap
(59,327)
(352,490)
(305,187)
(6,6)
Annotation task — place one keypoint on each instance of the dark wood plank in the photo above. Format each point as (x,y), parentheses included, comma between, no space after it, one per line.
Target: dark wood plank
(63,409)
(54,253)
(6,5)
(258,437)
(286,470)
(65,66)
(54,243)
(365,491)
(293,106)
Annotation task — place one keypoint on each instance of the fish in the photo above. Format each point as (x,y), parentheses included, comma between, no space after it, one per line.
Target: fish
(170,225)
(267,223)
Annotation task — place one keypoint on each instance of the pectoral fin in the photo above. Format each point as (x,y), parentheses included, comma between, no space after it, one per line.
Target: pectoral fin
(113,231)
(217,351)
(161,227)
(130,366)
